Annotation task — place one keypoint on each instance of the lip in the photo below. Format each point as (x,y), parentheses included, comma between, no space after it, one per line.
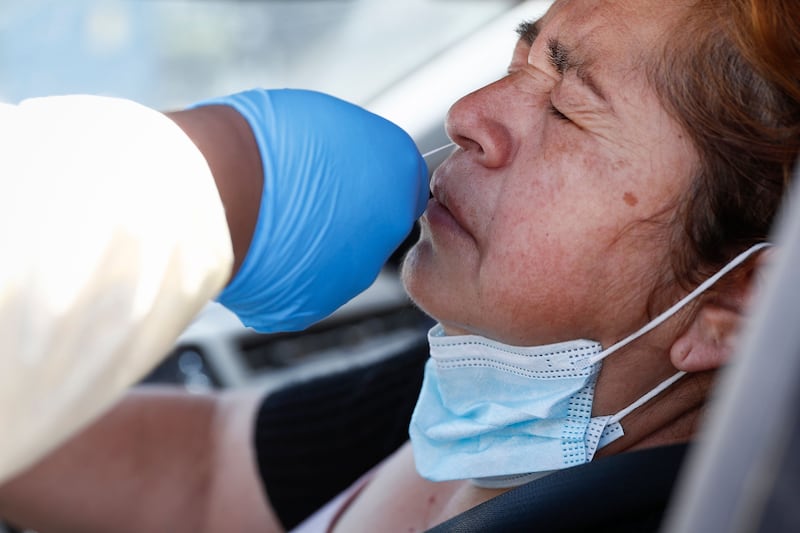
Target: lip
(438,215)
(443,213)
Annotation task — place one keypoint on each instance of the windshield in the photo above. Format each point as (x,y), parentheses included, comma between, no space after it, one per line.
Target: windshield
(170,53)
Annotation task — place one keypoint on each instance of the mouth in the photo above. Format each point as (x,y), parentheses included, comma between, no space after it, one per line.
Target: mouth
(443,212)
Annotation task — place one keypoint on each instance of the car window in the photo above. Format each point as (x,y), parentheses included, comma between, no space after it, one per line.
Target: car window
(167,53)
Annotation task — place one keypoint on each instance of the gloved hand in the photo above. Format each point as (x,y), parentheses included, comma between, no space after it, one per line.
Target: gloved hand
(342,189)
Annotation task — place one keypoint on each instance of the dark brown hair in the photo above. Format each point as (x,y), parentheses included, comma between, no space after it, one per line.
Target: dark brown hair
(730,74)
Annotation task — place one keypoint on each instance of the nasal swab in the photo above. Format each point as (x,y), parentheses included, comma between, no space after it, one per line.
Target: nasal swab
(437,150)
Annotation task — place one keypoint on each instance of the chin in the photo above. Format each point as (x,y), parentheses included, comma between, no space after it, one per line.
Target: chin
(418,282)
(442,292)
(410,277)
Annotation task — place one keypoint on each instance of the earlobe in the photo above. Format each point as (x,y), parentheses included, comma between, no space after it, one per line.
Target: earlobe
(709,341)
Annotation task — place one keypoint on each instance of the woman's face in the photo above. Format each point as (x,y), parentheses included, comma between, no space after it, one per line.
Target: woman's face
(536,232)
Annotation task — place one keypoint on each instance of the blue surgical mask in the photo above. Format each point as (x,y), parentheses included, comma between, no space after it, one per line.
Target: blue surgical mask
(503,415)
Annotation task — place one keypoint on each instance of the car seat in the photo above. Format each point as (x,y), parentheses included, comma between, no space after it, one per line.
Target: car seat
(744,475)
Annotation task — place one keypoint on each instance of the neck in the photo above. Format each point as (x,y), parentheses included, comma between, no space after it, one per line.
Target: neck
(672,417)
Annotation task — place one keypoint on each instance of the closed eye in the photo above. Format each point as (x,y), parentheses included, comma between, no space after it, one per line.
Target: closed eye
(558,114)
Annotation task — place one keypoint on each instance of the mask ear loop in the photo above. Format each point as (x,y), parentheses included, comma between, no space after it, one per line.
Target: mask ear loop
(660,319)
(647,397)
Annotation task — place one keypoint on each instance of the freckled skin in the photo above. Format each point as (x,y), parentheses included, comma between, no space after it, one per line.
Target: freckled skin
(550,256)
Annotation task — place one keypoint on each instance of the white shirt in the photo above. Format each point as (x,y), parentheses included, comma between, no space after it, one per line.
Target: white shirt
(112,238)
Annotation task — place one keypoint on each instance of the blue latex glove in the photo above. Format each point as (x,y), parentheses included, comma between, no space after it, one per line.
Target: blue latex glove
(342,189)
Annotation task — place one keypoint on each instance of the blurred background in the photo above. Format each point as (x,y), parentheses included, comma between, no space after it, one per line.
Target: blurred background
(168,53)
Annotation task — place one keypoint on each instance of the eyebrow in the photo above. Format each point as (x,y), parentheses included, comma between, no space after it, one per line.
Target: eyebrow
(528,30)
(561,57)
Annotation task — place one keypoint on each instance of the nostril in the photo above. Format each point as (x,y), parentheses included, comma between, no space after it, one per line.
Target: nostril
(469,145)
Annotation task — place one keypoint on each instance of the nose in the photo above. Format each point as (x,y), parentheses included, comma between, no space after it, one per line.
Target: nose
(477,125)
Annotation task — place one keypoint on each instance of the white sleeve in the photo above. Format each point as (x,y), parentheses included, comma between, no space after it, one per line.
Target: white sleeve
(113,236)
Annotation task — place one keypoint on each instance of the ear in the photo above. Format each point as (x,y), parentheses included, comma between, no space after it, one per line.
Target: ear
(710,339)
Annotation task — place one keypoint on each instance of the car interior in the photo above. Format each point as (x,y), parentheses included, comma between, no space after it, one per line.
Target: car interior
(742,475)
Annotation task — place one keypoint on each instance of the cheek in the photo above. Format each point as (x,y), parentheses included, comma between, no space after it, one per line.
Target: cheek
(547,266)
(529,287)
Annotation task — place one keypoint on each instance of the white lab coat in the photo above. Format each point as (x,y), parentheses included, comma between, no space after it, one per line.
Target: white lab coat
(113,237)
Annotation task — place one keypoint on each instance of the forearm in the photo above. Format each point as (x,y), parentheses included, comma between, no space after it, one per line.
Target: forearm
(161,460)
(227,143)
(144,466)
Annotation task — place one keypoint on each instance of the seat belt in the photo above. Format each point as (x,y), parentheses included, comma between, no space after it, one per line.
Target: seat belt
(628,492)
